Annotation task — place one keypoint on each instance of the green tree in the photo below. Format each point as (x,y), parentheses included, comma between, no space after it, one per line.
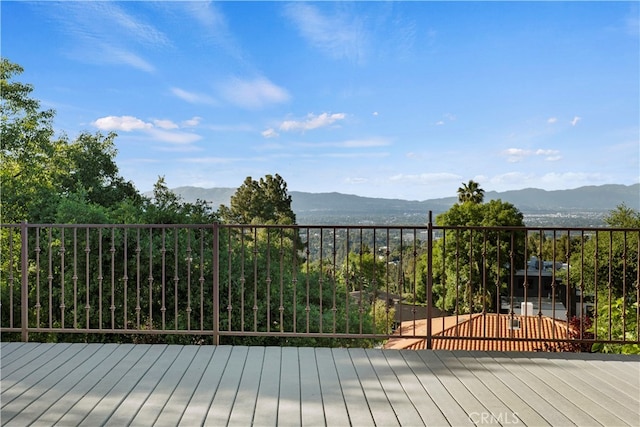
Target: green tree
(470,192)
(260,202)
(471,266)
(38,171)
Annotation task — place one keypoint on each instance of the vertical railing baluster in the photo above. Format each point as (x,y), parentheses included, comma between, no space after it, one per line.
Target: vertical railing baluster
(87,279)
(150,280)
(347,282)
(307,308)
(11,277)
(112,251)
(624,286)
(163,278)
(215,277)
(125,278)
(229,280)
(216,281)
(75,278)
(281,257)
(62,274)
(429,343)
(50,276)
(38,250)
(138,278)
(334,308)
(100,279)
(24,290)
(176,278)
(294,279)
(189,261)
(268,283)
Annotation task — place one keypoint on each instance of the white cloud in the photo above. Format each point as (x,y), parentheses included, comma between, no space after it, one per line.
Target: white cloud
(270,133)
(338,36)
(174,137)
(575,120)
(552,120)
(253,94)
(515,155)
(161,130)
(192,122)
(375,113)
(121,123)
(312,122)
(111,39)
(362,143)
(165,124)
(191,97)
(425,178)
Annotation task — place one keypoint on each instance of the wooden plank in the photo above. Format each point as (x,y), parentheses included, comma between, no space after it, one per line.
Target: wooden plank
(245,402)
(289,412)
(198,407)
(100,383)
(401,404)
(108,356)
(551,404)
(519,411)
(438,393)
(55,386)
(333,401)
(22,400)
(11,351)
(624,377)
(117,388)
(266,413)
(381,409)
(429,412)
(34,354)
(164,389)
(31,380)
(222,403)
(597,396)
(469,403)
(496,410)
(177,403)
(6,348)
(352,390)
(311,403)
(144,387)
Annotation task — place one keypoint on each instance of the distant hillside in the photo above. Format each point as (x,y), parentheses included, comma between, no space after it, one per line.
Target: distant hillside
(584,206)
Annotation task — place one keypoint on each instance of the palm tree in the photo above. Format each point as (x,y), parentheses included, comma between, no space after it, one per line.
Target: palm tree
(470,192)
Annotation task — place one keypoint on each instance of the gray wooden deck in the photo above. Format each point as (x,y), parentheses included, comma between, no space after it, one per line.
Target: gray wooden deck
(124,384)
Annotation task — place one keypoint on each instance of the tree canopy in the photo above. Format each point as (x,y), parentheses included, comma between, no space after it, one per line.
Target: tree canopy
(470,192)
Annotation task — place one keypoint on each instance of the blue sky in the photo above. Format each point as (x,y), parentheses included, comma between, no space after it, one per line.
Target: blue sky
(383,99)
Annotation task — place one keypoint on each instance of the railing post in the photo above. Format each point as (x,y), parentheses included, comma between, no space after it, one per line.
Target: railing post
(429,278)
(216,283)
(24,288)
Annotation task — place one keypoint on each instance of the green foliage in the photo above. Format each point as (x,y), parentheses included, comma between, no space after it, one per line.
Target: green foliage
(470,266)
(470,192)
(260,202)
(39,172)
(362,271)
(607,260)
(616,320)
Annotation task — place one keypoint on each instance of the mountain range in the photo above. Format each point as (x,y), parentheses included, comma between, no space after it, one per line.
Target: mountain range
(583,206)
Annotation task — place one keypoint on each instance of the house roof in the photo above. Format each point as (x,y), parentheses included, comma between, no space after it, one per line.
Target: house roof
(495,329)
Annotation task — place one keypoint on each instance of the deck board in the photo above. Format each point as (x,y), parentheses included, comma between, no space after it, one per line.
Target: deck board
(166,385)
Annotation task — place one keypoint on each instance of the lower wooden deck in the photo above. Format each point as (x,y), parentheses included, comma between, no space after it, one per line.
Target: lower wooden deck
(164,385)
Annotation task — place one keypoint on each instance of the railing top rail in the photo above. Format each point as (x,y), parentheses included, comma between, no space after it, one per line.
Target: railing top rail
(425,227)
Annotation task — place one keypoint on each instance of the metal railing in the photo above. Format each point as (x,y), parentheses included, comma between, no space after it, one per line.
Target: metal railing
(327,284)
